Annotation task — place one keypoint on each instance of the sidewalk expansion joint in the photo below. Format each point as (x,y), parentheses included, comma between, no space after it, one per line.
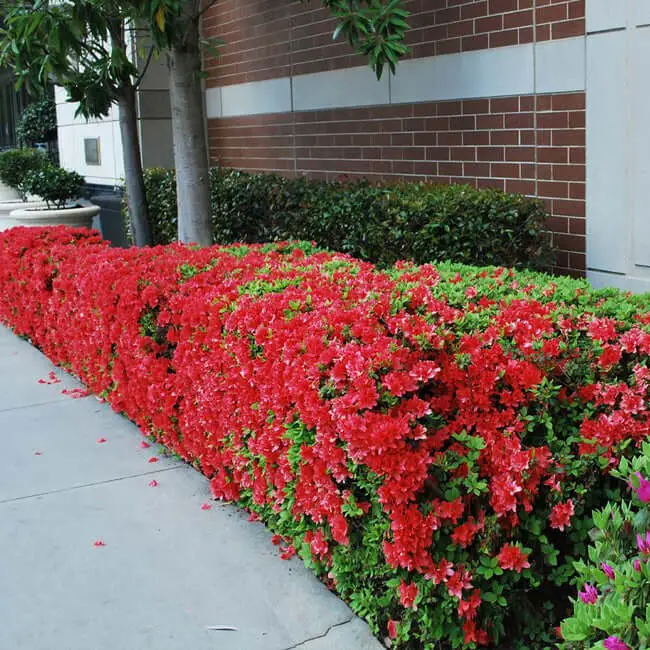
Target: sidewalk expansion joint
(87,485)
(321,636)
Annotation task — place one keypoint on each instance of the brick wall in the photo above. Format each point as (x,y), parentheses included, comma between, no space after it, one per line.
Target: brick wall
(518,144)
(266,39)
(529,144)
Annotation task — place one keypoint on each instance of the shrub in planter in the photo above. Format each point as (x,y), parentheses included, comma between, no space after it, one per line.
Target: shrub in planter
(56,186)
(612,610)
(15,164)
(431,441)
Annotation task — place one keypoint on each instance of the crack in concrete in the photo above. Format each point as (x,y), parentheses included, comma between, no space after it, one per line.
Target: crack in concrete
(86,485)
(321,636)
(29,406)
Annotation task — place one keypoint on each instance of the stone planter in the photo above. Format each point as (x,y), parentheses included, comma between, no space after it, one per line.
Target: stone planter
(8,193)
(76,216)
(7,207)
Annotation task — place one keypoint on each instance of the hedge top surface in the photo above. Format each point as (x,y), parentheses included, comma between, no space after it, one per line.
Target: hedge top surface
(431,440)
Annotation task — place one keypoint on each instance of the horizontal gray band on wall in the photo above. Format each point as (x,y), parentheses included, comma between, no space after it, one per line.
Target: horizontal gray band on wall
(545,68)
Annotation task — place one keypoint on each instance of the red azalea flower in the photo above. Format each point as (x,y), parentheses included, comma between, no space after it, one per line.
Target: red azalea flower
(511,557)
(392,629)
(561,515)
(407,594)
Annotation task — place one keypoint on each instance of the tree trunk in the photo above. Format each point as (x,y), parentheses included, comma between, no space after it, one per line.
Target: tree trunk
(135,193)
(190,147)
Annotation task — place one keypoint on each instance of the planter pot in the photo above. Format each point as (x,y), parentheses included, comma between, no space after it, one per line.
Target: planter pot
(8,193)
(76,216)
(7,207)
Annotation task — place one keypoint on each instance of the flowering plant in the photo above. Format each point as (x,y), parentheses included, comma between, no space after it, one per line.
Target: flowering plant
(430,440)
(612,610)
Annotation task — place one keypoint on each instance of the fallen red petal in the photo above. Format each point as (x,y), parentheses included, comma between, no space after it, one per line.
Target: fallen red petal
(101,440)
(145,445)
(206,506)
(153,483)
(99,542)
(153,459)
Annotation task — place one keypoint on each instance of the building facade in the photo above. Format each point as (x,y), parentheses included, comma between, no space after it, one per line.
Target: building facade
(542,97)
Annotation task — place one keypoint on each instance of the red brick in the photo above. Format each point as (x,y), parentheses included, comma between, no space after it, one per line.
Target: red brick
(553,154)
(476,169)
(556,120)
(568,137)
(568,29)
(553,189)
(577,226)
(504,137)
(552,13)
(572,243)
(518,19)
(520,154)
(568,173)
(568,101)
(520,186)
(569,207)
(505,170)
(504,38)
(557,224)
(490,154)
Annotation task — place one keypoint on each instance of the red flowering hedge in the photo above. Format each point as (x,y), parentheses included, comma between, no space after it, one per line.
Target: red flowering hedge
(430,441)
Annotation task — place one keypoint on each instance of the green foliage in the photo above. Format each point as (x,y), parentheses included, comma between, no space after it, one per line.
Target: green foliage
(15,164)
(379,223)
(81,45)
(54,185)
(615,575)
(37,123)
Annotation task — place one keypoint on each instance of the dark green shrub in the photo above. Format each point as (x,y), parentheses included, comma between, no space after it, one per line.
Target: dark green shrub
(54,185)
(37,123)
(16,163)
(378,223)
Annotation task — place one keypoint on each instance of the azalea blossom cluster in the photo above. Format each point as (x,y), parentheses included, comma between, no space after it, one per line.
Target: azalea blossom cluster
(324,396)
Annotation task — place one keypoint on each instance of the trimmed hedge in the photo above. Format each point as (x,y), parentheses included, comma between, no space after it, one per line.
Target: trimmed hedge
(431,441)
(377,223)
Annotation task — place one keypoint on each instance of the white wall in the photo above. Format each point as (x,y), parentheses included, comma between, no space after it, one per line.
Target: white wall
(154,123)
(618,143)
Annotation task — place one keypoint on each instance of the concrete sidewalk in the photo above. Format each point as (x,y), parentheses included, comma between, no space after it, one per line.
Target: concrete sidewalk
(168,569)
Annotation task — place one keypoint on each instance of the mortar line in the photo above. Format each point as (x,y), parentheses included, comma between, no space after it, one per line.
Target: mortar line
(86,485)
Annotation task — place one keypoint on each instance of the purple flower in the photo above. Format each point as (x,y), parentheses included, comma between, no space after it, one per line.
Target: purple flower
(643,542)
(589,596)
(637,564)
(614,643)
(643,491)
(607,570)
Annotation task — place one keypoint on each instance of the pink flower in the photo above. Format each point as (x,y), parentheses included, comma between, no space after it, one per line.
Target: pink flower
(607,570)
(643,491)
(589,596)
(614,643)
(643,543)
(637,565)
